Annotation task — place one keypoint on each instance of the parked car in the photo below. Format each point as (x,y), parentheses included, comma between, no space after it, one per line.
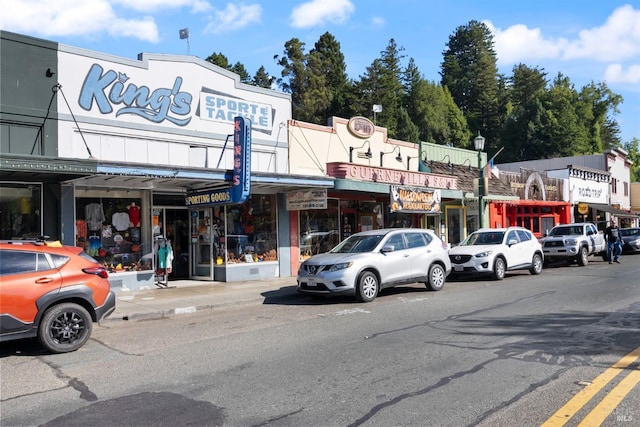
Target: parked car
(495,251)
(574,242)
(52,292)
(631,238)
(369,261)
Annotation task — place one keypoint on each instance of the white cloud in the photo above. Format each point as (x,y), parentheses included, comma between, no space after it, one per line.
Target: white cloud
(73,17)
(519,43)
(319,12)
(378,22)
(617,40)
(616,74)
(234,17)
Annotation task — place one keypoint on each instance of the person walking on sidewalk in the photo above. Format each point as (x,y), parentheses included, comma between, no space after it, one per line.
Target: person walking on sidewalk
(614,242)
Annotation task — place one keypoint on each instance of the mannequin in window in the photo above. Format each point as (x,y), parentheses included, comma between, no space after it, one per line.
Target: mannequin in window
(134,214)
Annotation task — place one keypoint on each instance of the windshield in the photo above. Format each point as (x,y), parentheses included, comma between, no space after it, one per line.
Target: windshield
(484,238)
(356,244)
(566,231)
(630,231)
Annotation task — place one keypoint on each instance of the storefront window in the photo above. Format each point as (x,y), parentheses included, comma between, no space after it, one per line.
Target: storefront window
(251,231)
(109,230)
(20,207)
(320,229)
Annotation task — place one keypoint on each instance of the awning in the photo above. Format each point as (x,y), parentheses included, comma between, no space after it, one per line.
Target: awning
(149,177)
(612,210)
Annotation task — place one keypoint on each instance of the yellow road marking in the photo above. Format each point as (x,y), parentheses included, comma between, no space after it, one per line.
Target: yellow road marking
(564,414)
(597,416)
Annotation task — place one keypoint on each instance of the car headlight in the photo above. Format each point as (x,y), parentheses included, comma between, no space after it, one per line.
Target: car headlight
(340,266)
(484,254)
(571,242)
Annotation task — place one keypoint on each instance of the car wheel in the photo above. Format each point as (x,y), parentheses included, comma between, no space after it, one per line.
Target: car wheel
(536,264)
(65,327)
(437,277)
(583,257)
(499,268)
(367,287)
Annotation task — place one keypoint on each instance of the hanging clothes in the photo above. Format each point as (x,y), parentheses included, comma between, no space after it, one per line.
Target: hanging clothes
(165,257)
(94,215)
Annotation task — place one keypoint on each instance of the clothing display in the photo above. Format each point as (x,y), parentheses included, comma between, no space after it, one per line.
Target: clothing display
(120,220)
(94,215)
(134,214)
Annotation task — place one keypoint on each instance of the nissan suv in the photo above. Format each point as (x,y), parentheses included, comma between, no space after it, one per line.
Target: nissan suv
(52,292)
(369,261)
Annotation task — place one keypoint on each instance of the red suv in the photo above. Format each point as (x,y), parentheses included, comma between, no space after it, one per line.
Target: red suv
(52,292)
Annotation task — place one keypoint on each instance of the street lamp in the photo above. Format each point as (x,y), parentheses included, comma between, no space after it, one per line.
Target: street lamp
(478,143)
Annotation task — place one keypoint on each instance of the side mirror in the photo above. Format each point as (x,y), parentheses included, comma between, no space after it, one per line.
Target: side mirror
(512,242)
(388,248)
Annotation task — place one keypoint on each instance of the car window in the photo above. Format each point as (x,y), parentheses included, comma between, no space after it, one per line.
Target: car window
(487,238)
(513,235)
(58,261)
(523,235)
(415,240)
(396,241)
(15,262)
(358,244)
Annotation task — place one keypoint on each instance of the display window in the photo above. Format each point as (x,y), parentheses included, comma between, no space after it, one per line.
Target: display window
(236,234)
(109,230)
(320,229)
(20,208)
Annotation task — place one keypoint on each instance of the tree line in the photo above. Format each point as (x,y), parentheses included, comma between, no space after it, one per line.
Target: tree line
(527,113)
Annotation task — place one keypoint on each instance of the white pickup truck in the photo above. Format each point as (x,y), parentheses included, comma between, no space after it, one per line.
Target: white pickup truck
(573,242)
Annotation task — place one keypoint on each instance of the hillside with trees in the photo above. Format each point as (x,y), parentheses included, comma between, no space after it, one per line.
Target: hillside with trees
(530,114)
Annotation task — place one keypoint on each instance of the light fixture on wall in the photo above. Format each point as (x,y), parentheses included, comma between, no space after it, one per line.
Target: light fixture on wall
(467,160)
(409,159)
(368,154)
(398,157)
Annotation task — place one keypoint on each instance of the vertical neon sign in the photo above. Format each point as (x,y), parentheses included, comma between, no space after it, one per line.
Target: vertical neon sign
(241,181)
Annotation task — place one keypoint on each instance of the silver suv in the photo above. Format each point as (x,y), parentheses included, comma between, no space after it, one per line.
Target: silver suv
(369,261)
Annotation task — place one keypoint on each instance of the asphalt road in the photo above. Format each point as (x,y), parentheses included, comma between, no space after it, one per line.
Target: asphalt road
(522,351)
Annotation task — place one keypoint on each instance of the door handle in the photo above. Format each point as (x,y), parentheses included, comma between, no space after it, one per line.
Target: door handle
(44,280)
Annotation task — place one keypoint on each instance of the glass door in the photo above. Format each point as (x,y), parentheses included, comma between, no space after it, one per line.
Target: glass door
(201,245)
(455,225)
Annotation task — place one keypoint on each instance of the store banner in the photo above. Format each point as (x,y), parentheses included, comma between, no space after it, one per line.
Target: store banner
(415,200)
(309,199)
(241,180)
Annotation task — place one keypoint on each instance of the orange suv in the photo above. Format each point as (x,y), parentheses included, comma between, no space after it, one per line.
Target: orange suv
(52,292)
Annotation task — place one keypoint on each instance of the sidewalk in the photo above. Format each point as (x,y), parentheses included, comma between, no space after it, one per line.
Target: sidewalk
(190,296)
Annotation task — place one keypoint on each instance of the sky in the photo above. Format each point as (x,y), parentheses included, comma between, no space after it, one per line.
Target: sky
(586,41)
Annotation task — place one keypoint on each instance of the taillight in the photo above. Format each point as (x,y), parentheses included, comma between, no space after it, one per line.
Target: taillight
(98,271)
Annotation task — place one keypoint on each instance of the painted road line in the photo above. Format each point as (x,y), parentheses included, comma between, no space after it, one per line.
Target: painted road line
(597,416)
(576,403)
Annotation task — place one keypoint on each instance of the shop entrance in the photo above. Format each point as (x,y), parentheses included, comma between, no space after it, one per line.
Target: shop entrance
(201,244)
(173,225)
(455,225)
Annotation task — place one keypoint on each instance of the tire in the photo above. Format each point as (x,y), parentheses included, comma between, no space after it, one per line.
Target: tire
(65,327)
(583,257)
(499,268)
(367,287)
(536,264)
(437,277)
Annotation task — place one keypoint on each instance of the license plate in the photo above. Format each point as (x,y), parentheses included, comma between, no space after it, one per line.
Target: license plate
(458,268)
(311,282)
